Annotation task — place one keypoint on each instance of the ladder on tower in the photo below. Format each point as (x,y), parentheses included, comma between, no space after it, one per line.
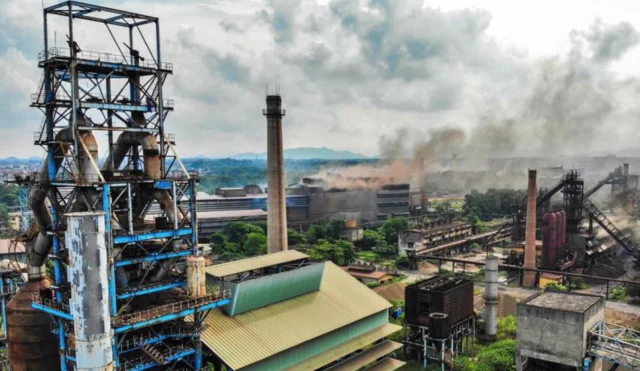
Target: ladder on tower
(154,353)
(610,228)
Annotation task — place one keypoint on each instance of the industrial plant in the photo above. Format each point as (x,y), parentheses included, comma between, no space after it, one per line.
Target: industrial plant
(113,264)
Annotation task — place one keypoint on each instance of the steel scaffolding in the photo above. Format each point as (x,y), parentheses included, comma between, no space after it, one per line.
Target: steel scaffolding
(85,93)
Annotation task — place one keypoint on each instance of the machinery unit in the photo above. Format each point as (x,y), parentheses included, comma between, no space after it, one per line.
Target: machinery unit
(121,287)
(439,319)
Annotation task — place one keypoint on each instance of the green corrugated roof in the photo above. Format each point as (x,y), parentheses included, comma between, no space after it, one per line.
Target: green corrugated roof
(260,292)
(258,262)
(251,337)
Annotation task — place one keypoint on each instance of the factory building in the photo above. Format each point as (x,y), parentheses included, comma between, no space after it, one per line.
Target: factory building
(304,204)
(291,314)
(553,330)
(415,240)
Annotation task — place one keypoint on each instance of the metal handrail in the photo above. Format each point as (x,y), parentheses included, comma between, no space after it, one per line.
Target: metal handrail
(171,308)
(56,52)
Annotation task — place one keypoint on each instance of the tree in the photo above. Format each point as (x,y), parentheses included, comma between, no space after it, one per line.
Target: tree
(315,233)
(237,232)
(370,239)
(255,244)
(499,355)
(294,237)
(392,228)
(340,252)
(333,229)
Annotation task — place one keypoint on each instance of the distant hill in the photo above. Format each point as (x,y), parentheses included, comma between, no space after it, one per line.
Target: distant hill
(305,153)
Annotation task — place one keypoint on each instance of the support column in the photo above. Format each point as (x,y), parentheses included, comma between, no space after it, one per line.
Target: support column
(85,240)
(530,235)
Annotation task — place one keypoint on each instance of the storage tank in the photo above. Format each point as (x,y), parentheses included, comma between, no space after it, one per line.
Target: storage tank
(563,228)
(30,343)
(558,230)
(549,225)
(439,327)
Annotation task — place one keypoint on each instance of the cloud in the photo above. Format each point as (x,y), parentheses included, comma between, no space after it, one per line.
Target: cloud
(353,71)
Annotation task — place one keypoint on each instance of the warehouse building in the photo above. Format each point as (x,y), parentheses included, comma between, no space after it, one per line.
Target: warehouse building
(290,314)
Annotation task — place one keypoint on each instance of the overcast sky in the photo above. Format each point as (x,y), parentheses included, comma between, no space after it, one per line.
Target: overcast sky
(553,77)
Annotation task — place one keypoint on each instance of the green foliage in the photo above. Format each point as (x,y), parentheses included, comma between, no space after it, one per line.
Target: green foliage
(579,284)
(619,293)
(295,238)
(492,204)
(239,240)
(370,239)
(340,252)
(499,355)
(255,244)
(392,228)
(553,286)
(315,233)
(507,327)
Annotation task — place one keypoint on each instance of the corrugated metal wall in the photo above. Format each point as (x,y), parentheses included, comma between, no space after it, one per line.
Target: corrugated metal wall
(263,291)
(320,345)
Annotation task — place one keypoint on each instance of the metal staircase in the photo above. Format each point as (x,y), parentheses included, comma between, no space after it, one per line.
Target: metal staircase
(610,228)
(616,344)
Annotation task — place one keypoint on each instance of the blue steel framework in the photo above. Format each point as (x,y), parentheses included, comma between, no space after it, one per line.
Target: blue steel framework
(147,312)
(9,283)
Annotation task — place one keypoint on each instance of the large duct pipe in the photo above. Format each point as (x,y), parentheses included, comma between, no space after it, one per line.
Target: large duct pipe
(85,240)
(549,240)
(152,162)
(530,233)
(276,209)
(491,296)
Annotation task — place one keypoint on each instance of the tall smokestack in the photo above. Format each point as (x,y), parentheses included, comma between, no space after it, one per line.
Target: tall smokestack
(530,234)
(491,296)
(277,211)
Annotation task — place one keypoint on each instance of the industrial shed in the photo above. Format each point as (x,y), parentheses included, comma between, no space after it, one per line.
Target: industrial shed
(338,323)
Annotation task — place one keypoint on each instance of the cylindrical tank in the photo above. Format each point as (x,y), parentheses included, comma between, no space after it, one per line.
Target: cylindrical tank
(438,325)
(30,343)
(196,284)
(549,224)
(85,240)
(491,296)
(563,228)
(558,230)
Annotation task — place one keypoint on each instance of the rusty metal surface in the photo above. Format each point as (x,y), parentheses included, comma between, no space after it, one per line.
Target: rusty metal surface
(30,343)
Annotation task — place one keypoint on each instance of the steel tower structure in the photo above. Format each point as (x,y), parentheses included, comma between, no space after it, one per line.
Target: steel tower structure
(84,94)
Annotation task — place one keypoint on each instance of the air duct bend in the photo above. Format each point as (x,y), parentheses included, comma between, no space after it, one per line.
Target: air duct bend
(38,253)
(152,162)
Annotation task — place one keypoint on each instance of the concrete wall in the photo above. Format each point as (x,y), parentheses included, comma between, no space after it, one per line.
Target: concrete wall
(554,335)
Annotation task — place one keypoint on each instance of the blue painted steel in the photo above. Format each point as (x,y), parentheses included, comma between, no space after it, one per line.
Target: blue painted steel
(106,206)
(170,317)
(4,306)
(180,355)
(163,184)
(194,216)
(151,290)
(151,236)
(153,257)
(72,359)
(54,312)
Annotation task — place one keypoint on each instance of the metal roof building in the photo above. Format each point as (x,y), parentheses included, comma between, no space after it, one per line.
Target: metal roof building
(305,317)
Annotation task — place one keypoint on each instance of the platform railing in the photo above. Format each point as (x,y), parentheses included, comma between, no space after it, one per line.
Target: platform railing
(155,312)
(56,52)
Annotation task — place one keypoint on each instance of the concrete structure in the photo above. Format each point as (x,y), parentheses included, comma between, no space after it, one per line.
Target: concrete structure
(416,240)
(553,329)
(491,296)
(530,234)
(290,314)
(368,274)
(277,218)
(89,304)
(196,281)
